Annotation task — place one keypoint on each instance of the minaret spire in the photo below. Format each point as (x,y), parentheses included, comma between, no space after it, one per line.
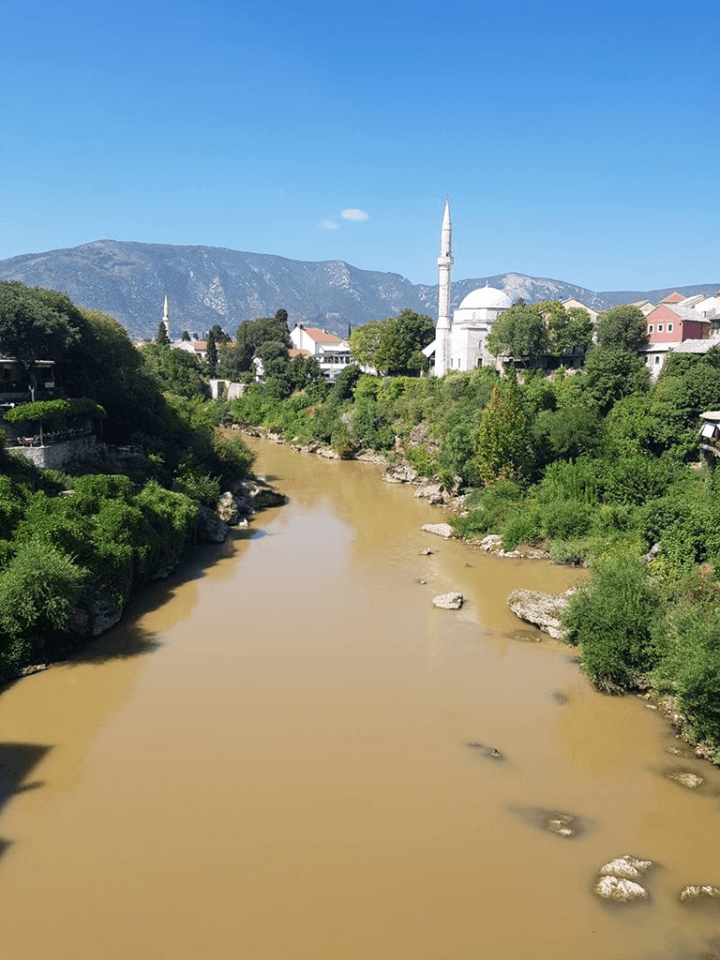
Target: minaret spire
(445,262)
(166,316)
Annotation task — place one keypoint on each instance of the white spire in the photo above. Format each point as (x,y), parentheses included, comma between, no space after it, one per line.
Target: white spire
(445,262)
(166,316)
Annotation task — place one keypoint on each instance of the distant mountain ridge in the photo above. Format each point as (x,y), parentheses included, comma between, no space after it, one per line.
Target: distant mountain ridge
(208,285)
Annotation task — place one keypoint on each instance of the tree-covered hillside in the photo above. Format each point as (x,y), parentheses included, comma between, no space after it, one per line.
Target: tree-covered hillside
(77,543)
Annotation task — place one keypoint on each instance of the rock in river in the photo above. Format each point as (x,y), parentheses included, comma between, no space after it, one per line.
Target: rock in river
(440,529)
(691,781)
(694,892)
(618,879)
(542,609)
(448,601)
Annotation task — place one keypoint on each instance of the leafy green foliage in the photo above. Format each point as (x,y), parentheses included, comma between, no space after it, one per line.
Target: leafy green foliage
(621,328)
(503,444)
(521,333)
(612,618)
(252,333)
(38,593)
(36,324)
(611,374)
(394,346)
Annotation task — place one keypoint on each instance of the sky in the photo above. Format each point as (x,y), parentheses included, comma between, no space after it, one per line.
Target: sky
(578,142)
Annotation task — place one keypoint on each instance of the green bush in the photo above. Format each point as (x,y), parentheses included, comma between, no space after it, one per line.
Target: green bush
(521,526)
(612,618)
(203,487)
(572,553)
(38,592)
(565,519)
(487,509)
(698,671)
(422,460)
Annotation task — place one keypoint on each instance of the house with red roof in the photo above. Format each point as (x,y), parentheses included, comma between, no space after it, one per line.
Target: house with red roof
(330,351)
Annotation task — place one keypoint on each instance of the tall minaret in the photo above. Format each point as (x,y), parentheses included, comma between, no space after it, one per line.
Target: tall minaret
(445,262)
(166,316)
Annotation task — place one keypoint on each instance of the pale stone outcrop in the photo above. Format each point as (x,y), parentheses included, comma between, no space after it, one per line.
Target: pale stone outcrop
(401,473)
(694,892)
(448,601)
(618,879)
(227,509)
(439,529)
(492,543)
(544,610)
(691,781)
(433,491)
(620,890)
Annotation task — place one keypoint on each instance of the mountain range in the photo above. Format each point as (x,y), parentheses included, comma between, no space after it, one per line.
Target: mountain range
(208,285)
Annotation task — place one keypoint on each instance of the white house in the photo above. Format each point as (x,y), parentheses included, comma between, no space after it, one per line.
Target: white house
(331,352)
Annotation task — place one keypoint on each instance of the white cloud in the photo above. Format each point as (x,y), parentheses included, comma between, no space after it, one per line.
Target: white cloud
(354,215)
(328,225)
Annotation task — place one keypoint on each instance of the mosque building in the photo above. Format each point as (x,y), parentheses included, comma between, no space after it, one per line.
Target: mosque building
(460,343)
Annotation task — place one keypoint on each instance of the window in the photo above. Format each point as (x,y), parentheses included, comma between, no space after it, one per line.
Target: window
(657,360)
(670,328)
(650,328)
(660,328)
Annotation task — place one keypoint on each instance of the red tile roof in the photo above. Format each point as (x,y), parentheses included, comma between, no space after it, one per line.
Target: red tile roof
(673,298)
(320,336)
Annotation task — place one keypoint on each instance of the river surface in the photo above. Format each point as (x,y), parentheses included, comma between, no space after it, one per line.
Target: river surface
(268,759)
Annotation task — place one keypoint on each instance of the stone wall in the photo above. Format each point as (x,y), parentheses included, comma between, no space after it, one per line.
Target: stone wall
(56,456)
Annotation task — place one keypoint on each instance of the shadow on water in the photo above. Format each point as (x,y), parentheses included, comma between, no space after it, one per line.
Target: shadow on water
(120,643)
(17,760)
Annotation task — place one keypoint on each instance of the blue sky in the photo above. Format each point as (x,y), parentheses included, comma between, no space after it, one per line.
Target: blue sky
(576,141)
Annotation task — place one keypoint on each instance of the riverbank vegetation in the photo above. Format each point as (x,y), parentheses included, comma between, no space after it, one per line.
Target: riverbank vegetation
(74,544)
(597,465)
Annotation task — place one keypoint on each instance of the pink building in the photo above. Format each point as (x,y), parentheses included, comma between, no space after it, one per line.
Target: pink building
(670,323)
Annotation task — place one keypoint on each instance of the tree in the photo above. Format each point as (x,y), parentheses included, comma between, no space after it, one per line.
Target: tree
(175,371)
(570,329)
(394,345)
(228,366)
(610,375)
(219,334)
(185,336)
(274,357)
(251,333)
(622,328)
(162,339)
(211,355)
(305,372)
(36,324)
(503,451)
(519,333)
(364,342)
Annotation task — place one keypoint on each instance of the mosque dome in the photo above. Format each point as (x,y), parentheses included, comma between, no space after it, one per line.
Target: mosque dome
(486,298)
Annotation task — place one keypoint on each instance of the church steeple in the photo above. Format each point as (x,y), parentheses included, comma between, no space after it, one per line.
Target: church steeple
(445,262)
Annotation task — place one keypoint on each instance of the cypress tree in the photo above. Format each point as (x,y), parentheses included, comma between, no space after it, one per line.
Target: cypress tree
(503,449)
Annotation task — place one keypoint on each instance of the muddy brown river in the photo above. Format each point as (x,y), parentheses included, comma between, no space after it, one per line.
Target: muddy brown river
(269,759)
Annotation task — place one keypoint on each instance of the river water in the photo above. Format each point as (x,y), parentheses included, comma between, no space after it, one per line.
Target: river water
(268,759)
